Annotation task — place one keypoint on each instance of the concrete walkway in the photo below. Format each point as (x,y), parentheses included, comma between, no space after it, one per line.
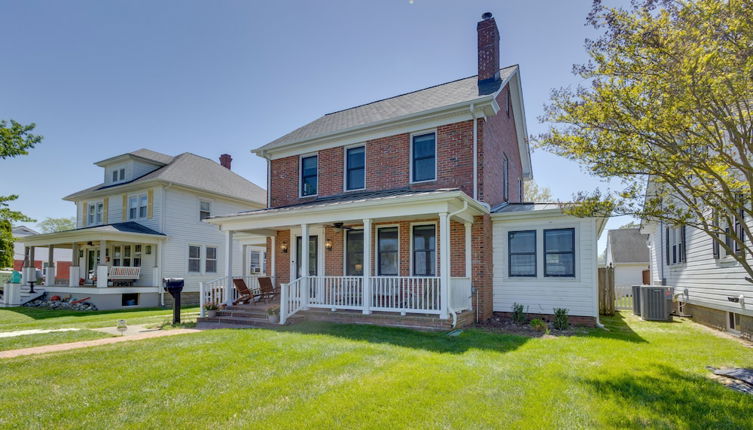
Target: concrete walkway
(34,331)
(87,343)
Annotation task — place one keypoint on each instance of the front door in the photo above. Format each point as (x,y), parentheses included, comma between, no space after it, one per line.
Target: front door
(91,263)
(313,256)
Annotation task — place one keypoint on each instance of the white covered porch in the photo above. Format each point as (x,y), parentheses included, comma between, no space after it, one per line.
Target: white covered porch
(444,292)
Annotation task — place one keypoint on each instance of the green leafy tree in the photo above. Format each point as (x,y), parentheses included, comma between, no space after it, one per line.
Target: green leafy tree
(665,108)
(50,225)
(15,139)
(532,192)
(6,244)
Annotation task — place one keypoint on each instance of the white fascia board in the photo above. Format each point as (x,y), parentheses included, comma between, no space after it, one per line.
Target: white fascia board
(390,127)
(521,130)
(351,211)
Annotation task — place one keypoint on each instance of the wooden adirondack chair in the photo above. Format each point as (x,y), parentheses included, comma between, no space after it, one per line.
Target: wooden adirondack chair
(244,294)
(268,291)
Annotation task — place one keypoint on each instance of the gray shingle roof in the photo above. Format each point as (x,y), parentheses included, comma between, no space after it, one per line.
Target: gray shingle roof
(450,93)
(197,172)
(628,245)
(152,155)
(122,227)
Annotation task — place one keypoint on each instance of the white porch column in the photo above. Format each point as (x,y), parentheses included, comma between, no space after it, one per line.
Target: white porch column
(468,253)
(444,264)
(28,273)
(157,253)
(49,272)
(73,273)
(102,265)
(228,267)
(305,265)
(367,266)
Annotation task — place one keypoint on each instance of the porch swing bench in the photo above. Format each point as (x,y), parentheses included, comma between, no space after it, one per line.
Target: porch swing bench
(123,276)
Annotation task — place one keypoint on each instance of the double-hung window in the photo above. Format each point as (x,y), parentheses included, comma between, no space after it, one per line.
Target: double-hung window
(137,206)
(309,175)
(559,252)
(90,214)
(118,175)
(675,243)
(96,212)
(205,210)
(424,157)
(424,250)
(522,253)
(210,264)
(194,258)
(354,253)
(355,168)
(387,249)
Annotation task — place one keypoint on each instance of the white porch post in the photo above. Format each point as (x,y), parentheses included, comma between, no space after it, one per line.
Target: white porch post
(468,253)
(444,264)
(304,265)
(29,274)
(367,266)
(73,274)
(102,265)
(228,267)
(49,273)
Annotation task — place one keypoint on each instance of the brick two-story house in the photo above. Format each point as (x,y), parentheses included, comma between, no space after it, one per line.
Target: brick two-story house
(409,205)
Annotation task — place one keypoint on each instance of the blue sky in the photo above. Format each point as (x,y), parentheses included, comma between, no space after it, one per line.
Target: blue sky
(102,78)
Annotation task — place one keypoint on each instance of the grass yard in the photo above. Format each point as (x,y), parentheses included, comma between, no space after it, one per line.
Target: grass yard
(316,375)
(30,340)
(23,318)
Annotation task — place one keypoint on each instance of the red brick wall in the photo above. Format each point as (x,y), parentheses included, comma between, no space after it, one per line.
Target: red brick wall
(333,259)
(481,255)
(282,261)
(62,268)
(387,166)
(457,249)
(497,136)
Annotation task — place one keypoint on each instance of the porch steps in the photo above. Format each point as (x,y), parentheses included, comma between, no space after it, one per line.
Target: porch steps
(240,315)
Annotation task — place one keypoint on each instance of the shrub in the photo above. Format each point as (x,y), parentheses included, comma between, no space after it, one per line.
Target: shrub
(518,315)
(538,324)
(211,306)
(561,321)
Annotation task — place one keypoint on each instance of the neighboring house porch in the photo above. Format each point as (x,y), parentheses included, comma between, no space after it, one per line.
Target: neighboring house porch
(114,264)
(399,252)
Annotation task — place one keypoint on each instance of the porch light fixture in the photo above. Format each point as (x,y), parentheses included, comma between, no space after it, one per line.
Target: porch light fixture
(284,247)
(328,244)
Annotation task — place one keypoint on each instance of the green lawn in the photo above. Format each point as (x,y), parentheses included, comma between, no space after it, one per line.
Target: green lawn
(30,340)
(24,318)
(636,375)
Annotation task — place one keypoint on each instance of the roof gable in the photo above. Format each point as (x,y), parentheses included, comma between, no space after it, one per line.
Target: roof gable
(628,245)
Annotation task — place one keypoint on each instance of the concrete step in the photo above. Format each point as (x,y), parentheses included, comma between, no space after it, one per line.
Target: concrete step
(244,322)
(242,314)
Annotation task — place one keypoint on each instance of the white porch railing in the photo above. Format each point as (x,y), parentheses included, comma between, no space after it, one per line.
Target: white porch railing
(406,294)
(336,292)
(292,297)
(623,297)
(214,291)
(460,294)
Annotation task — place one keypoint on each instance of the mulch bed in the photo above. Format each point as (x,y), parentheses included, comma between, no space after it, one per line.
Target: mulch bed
(504,325)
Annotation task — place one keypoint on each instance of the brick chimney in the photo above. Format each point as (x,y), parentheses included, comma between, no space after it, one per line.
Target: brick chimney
(488,54)
(225,160)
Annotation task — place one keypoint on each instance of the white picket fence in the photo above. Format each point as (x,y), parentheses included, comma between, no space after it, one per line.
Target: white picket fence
(623,297)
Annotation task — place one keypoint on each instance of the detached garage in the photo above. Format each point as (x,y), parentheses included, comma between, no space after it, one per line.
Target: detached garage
(544,259)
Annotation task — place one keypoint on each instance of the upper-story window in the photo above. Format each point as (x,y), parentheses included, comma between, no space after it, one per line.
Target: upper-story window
(309,175)
(137,206)
(675,238)
(424,157)
(505,178)
(95,213)
(205,210)
(355,168)
(118,175)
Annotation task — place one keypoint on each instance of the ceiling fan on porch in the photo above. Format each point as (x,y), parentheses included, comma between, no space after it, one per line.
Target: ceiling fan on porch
(340,226)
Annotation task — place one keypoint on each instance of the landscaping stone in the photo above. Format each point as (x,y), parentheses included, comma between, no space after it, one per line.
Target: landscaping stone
(64,304)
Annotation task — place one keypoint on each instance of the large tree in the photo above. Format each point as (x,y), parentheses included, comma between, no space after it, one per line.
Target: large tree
(532,192)
(51,225)
(665,107)
(15,139)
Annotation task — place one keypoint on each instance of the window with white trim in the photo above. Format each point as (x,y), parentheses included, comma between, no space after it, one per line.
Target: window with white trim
(95,213)
(424,250)
(424,154)
(118,175)
(355,168)
(205,210)
(521,257)
(309,175)
(675,245)
(137,206)
(194,258)
(210,263)
(559,252)
(387,251)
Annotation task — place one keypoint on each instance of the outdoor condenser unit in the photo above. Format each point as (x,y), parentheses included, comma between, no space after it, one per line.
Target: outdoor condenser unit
(656,303)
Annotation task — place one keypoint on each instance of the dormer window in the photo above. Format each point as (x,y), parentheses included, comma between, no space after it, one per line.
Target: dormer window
(137,206)
(118,175)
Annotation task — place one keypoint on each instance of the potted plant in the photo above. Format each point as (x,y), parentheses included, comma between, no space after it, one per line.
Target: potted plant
(211,309)
(273,314)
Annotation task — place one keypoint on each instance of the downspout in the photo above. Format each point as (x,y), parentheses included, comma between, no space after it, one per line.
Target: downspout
(449,266)
(475,153)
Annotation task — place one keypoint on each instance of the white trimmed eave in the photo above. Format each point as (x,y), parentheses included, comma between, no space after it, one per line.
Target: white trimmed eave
(521,130)
(390,208)
(89,235)
(482,106)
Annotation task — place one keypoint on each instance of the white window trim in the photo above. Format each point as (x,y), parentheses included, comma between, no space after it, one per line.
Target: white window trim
(204,259)
(345,167)
(436,247)
(541,255)
(410,157)
(95,204)
(201,258)
(300,175)
(138,199)
(211,207)
(730,316)
(345,249)
(376,248)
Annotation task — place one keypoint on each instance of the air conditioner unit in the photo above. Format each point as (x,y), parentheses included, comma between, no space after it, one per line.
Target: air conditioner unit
(637,300)
(656,303)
